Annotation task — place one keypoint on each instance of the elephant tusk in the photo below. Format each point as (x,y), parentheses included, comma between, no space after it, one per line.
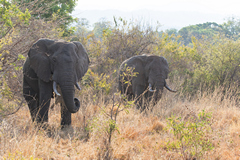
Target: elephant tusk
(166,86)
(55,88)
(78,87)
(150,88)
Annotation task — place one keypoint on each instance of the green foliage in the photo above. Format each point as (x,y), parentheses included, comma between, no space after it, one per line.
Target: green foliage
(177,55)
(231,28)
(171,31)
(10,12)
(207,63)
(11,18)
(5,90)
(112,126)
(101,27)
(208,29)
(19,155)
(209,60)
(81,31)
(99,84)
(48,9)
(192,136)
(126,75)
(105,125)
(215,63)
(123,41)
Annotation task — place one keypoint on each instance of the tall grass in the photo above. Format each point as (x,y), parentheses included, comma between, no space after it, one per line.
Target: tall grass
(138,135)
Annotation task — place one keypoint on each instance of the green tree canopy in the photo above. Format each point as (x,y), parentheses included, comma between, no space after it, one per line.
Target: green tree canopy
(100,26)
(231,28)
(9,13)
(208,29)
(47,9)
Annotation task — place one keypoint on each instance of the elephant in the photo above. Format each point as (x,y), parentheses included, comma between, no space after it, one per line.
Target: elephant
(143,77)
(52,68)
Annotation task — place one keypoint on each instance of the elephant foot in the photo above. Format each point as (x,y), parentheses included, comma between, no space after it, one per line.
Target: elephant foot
(66,131)
(46,128)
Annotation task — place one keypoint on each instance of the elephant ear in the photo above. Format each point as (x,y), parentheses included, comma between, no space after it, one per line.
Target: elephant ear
(165,66)
(83,60)
(39,59)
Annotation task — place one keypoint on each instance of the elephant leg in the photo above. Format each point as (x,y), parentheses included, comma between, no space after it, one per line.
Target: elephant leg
(139,90)
(149,99)
(45,95)
(32,105)
(66,116)
(157,96)
(31,98)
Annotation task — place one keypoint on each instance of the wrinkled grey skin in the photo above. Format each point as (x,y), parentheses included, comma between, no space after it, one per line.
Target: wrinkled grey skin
(52,63)
(152,72)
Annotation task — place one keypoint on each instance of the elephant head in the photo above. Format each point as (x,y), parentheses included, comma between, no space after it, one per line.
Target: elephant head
(62,62)
(152,72)
(156,73)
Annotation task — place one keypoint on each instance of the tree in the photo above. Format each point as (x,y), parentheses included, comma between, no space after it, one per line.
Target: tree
(82,27)
(208,29)
(11,16)
(81,31)
(100,26)
(172,31)
(46,9)
(231,28)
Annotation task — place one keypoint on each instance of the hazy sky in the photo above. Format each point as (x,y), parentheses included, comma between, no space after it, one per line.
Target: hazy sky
(215,6)
(163,11)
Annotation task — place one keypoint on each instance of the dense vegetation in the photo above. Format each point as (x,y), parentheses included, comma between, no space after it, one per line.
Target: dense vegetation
(209,59)
(204,59)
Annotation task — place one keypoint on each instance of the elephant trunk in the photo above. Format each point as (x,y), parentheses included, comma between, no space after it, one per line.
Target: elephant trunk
(158,86)
(72,104)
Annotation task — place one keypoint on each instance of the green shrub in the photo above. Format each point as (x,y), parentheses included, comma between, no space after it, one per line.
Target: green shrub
(191,137)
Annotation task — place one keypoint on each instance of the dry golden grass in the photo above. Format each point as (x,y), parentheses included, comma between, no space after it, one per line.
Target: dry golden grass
(139,136)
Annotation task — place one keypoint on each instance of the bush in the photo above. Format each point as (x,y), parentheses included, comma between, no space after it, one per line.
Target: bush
(191,136)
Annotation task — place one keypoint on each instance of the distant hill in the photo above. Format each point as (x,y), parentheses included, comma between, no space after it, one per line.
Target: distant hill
(168,19)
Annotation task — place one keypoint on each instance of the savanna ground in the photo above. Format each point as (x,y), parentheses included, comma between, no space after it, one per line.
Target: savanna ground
(138,135)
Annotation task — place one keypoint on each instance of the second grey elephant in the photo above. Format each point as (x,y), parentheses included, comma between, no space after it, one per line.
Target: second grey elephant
(53,64)
(148,78)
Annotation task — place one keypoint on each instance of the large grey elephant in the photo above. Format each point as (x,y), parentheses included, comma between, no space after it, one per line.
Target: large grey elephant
(53,64)
(143,76)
